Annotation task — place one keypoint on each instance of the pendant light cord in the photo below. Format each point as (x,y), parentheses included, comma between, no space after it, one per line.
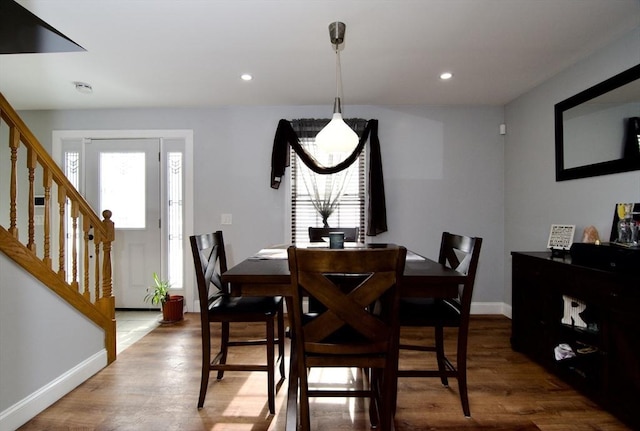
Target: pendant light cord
(338,80)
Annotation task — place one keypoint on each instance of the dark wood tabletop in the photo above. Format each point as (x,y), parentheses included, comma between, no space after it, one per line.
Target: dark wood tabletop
(264,277)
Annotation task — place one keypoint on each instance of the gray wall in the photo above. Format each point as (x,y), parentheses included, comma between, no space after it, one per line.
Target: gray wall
(534,200)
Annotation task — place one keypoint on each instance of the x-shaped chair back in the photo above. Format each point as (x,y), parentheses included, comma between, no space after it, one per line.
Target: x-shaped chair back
(359,316)
(461,253)
(211,255)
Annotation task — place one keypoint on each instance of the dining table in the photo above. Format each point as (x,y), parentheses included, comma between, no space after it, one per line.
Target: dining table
(266,273)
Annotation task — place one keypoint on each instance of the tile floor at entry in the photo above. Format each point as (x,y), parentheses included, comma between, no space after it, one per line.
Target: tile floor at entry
(131,326)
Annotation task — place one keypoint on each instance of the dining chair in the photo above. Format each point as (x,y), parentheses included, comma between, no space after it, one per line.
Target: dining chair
(358,328)
(217,306)
(462,254)
(319,234)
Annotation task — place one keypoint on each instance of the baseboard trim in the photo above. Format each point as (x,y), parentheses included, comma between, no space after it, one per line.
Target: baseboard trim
(491,308)
(27,408)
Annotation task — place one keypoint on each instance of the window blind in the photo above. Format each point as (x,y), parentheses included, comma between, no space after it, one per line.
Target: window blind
(349,213)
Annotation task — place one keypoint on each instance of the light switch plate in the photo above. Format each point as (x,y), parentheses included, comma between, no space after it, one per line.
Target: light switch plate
(225,219)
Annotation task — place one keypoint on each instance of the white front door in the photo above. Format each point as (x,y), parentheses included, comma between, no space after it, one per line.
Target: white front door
(123,176)
(136,256)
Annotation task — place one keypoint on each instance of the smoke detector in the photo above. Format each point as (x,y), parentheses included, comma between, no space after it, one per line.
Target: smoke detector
(83,87)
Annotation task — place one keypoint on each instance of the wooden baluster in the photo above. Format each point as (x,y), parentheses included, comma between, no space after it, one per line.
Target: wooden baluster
(74,245)
(62,198)
(32,160)
(96,276)
(46,182)
(86,227)
(14,143)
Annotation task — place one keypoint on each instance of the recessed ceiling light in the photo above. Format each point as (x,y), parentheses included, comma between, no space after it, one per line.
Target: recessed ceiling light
(83,87)
(246,77)
(446,75)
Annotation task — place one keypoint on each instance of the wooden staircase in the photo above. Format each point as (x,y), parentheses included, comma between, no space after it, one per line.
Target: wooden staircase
(68,248)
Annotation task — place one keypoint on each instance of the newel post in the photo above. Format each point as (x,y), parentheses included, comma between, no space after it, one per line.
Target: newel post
(107,276)
(107,302)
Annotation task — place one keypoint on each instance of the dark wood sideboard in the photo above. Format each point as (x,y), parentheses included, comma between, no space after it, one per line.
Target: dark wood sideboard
(606,366)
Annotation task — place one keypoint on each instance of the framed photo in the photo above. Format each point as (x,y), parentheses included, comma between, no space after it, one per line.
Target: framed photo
(561,236)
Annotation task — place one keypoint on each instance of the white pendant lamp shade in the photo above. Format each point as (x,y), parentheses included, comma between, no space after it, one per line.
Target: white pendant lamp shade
(337,137)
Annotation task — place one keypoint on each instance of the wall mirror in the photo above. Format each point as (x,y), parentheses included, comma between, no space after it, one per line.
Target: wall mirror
(597,130)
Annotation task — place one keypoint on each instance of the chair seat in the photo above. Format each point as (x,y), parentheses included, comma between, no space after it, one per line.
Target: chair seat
(429,312)
(260,306)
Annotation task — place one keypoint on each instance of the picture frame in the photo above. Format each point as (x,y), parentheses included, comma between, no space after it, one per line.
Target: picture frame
(561,237)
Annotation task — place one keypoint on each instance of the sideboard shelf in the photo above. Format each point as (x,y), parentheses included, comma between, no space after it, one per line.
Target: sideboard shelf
(604,335)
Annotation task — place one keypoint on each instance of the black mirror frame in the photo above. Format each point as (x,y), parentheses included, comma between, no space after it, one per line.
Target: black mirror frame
(596,169)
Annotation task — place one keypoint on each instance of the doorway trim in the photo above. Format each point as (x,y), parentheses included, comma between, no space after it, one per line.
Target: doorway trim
(187,134)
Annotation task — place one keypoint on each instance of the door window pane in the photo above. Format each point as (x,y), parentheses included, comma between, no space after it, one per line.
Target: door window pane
(174,196)
(122,188)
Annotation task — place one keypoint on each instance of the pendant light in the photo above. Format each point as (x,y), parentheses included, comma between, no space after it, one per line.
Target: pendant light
(337,136)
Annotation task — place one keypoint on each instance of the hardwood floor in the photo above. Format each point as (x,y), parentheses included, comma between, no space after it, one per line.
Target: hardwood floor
(153,385)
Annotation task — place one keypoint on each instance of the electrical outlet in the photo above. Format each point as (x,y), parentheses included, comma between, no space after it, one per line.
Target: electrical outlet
(225,219)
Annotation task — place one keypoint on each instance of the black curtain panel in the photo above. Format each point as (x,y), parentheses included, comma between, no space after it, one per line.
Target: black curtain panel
(286,137)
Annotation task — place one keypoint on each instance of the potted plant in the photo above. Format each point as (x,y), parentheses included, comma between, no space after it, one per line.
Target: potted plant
(172,305)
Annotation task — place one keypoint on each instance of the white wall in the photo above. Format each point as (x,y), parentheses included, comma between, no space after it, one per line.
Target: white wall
(534,200)
(443,169)
(46,347)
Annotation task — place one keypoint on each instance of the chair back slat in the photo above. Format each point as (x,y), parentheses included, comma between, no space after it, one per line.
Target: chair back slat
(319,234)
(347,309)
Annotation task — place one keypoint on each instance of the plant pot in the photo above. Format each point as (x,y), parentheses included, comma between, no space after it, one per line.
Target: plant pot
(172,309)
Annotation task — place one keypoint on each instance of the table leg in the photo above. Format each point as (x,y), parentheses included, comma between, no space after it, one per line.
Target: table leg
(291,423)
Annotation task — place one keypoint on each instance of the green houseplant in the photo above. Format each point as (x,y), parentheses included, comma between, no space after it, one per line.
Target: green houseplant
(172,305)
(159,292)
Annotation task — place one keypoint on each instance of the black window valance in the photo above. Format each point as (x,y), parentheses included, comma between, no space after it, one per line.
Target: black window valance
(286,138)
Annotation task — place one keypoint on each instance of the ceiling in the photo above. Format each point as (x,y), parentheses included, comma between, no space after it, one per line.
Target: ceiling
(191,53)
